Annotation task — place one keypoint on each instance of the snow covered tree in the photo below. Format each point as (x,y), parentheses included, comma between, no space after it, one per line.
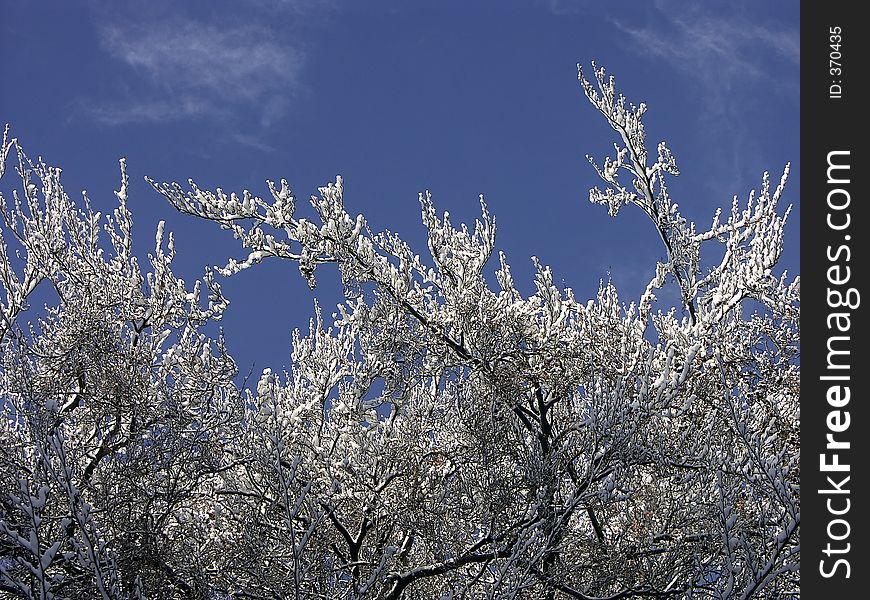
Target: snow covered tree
(115,406)
(439,436)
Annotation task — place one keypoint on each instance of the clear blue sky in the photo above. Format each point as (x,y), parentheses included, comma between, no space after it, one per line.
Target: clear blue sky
(459,98)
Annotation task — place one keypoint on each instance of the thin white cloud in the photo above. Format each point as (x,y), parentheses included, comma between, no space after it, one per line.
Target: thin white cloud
(153,109)
(184,69)
(252,141)
(732,59)
(719,51)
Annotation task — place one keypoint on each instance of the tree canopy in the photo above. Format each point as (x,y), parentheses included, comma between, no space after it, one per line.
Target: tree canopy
(440,435)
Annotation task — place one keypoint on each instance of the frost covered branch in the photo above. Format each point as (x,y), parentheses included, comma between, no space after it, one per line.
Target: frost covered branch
(436,436)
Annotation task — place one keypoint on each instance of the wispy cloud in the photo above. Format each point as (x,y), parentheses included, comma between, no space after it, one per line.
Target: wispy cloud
(741,67)
(719,50)
(252,141)
(181,69)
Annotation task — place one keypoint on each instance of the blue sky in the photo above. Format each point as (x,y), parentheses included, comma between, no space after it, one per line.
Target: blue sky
(460,98)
